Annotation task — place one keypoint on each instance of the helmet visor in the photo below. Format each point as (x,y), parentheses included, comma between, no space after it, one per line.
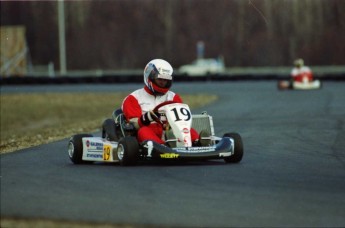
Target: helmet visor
(156,74)
(164,76)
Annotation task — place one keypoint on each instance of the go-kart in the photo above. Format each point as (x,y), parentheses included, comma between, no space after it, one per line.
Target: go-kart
(119,143)
(305,84)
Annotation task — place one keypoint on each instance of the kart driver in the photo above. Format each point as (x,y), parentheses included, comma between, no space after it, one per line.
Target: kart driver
(301,73)
(137,106)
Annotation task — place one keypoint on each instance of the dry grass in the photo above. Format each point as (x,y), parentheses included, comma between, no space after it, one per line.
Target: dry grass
(33,119)
(46,223)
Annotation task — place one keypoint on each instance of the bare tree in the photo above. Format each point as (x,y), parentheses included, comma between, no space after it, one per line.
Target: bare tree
(126,34)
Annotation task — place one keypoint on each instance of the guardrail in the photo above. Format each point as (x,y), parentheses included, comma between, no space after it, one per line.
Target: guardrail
(330,73)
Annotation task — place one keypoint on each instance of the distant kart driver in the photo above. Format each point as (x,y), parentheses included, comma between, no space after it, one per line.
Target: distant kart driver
(301,73)
(137,106)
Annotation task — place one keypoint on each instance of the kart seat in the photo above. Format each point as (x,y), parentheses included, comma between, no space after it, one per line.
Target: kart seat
(123,127)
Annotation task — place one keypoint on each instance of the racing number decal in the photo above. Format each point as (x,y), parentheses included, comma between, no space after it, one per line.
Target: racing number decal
(184,112)
(106,152)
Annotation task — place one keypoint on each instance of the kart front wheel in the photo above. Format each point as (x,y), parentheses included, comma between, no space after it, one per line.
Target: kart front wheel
(128,151)
(75,148)
(238,148)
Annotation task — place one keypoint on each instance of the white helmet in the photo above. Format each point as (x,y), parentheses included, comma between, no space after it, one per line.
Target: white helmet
(158,68)
(299,62)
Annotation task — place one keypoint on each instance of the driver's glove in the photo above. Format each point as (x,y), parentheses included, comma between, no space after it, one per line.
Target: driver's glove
(149,116)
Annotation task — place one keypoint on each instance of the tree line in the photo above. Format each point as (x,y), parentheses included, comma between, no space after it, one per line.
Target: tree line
(122,34)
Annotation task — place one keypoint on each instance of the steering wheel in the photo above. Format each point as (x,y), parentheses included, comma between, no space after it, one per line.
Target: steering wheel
(163,104)
(155,110)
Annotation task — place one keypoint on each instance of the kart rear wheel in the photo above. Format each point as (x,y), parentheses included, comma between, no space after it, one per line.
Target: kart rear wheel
(238,150)
(75,148)
(128,151)
(284,85)
(109,130)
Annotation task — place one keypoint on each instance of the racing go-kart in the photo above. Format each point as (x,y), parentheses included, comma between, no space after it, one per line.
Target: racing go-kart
(119,143)
(305,84)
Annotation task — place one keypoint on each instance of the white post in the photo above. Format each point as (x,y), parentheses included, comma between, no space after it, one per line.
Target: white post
(200,49)
(62,41)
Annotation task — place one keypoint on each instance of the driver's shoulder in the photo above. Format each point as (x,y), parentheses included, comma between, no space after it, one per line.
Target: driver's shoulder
(175,97)
(169,96)
(139,93)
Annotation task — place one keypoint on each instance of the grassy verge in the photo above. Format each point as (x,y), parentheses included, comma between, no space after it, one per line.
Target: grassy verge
(33,119)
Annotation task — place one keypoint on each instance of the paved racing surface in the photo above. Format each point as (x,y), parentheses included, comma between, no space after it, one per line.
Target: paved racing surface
(292,173)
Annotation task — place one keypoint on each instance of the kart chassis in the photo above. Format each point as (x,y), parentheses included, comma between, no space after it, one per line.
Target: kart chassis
(118,144)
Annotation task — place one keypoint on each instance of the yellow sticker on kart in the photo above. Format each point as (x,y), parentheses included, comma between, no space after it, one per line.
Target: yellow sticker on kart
(106,152)
(169,155)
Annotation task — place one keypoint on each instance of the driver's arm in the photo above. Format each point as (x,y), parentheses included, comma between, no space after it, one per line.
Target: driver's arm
(132,110)
(133,113)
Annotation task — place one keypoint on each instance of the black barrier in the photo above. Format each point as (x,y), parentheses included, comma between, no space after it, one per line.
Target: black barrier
(43,80)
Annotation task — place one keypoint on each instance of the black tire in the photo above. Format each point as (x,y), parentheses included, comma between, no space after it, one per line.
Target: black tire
(128,151)
(75,149)
(284,85)
(109,130)
(237,157)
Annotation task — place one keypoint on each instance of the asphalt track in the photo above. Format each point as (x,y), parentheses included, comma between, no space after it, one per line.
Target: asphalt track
(292,173)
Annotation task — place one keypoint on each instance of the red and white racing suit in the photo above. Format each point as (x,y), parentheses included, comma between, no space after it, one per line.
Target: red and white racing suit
(142,101)
(302,74)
